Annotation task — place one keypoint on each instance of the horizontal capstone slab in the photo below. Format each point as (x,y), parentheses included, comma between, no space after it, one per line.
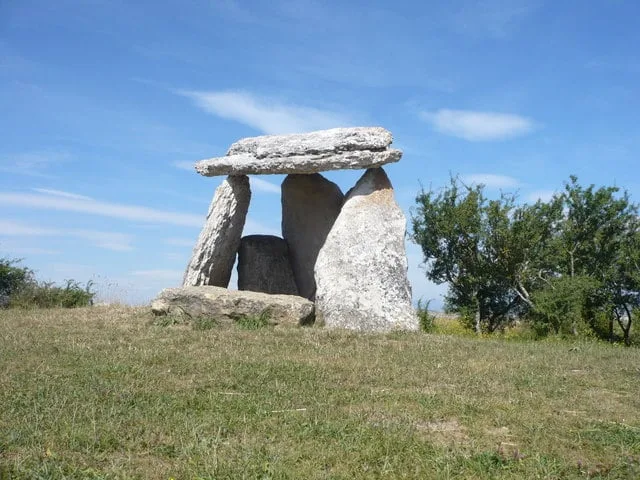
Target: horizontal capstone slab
(305,153)
(334,140)
(245,164)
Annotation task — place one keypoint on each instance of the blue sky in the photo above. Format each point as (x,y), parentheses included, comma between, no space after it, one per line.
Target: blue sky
(108,103)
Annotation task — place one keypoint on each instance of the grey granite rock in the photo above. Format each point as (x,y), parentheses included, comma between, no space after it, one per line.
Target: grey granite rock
(215,251)
(263,265)
(334,149)
(310,206)
(361,271)
(228,305)
(334,140)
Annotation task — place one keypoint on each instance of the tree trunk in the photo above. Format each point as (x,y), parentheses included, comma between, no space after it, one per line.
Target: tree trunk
(572,260)
(478,327)
(611,329)
(627,329)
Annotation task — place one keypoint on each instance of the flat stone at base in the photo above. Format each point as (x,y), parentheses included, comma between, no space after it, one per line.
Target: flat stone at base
(263,265)
(361,271)
(227,305)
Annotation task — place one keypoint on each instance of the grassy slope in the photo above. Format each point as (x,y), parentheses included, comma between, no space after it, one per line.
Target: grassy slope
(100,393)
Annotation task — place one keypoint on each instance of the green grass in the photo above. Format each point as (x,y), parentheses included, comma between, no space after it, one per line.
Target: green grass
(105,393)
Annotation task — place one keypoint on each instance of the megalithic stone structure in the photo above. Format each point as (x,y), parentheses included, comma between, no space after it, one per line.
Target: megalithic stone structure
(215,252)
(346,253)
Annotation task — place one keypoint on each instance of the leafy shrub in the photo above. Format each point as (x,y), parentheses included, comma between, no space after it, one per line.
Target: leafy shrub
(12,279)
(19,288)
(562,305)
(425,319)
(48,295)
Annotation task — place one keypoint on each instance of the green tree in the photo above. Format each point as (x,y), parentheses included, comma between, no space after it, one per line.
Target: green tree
(470,243)
(565,264)
(622,286)
(592,249)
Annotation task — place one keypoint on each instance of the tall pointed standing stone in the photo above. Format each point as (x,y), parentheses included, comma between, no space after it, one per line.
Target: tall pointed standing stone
(361,271)
(310,206)
(215,252)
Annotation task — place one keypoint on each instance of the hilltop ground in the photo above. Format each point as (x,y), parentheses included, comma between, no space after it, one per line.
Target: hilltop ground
(104,392)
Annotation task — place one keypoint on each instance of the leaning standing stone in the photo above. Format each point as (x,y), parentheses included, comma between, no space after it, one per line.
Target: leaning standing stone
(310,206)
(215,252)
(361,271)
(263,265)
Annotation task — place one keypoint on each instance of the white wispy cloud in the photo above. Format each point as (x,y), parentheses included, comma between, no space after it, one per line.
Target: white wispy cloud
(33,164)
(108,240)
(90,206)
(267,115)
(60,193)
(119,242)
(185,165)
(14,249)
(260,185)
(490,180)
(478,126)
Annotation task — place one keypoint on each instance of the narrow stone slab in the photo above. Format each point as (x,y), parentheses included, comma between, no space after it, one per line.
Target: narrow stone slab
(334,149)
(361,271)
(334,140)
(264,266)
(228,305)
(310,206)
(215,251)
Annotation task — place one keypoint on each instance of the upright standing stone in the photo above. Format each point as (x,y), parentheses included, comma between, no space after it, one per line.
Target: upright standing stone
(361,271)
(310,206)
(263,265)
(215,252)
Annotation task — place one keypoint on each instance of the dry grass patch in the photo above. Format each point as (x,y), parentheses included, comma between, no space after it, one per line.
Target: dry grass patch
(104,393)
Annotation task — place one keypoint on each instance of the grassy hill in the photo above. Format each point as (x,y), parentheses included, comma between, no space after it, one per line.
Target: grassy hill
(104,393)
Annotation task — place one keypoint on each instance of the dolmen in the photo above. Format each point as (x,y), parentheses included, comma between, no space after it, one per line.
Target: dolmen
(341,257)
